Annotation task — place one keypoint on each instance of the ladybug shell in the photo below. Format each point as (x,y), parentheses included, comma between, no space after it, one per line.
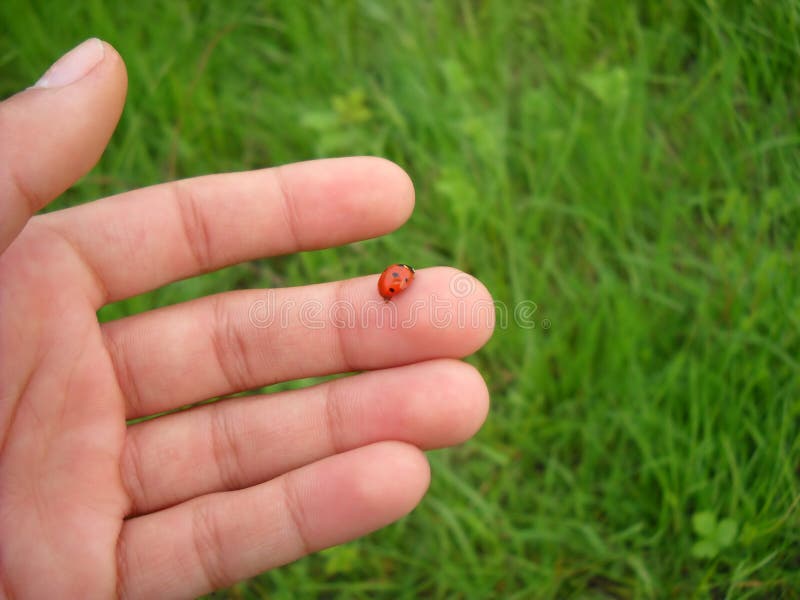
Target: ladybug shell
(394,280)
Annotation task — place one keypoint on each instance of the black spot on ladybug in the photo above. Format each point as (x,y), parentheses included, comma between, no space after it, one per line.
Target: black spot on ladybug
(391,290)
(406,279)
(395,274)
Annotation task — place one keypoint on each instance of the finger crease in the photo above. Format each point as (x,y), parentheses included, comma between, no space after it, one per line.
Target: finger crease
(208,546)
(132,478)
(230,349)
(334,417)
(32,200)
(94,274)
(225,448)
(289,208)
(294,508)
(195,226)
(341,346)
(123,566)
(122,371)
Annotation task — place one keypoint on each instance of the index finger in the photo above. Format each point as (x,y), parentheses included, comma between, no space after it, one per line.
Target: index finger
(140,240)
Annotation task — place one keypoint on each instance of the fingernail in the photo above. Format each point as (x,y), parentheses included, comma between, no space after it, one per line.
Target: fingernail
(73,65)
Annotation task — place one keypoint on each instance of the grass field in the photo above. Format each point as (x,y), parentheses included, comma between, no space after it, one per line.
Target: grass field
(632,168)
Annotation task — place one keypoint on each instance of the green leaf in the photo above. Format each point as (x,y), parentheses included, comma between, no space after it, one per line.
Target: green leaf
(610,87)
(704,523)
(319,120)
(726,532)
(705,549)
(341,559)
(749,534)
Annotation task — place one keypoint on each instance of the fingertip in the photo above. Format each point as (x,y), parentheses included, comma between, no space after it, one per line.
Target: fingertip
(115,64)
(340,200)
(453,405)
(412,466)
(359,491)
(391,193)
(469,404)
(404,195)
(470,319)
(485,328)
(93,62)
(393,478)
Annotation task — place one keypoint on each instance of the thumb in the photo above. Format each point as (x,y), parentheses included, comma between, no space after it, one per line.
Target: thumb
(55,131)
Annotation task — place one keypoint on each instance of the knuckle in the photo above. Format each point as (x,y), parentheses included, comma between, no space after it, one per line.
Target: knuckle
(345,337)
(294,509)
(231,348)
(195,225)
(226,450)
(289,208)
(131,467)
(335,418)
(124,373)
(208,545)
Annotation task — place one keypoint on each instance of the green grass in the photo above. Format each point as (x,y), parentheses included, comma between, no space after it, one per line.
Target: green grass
(632,168)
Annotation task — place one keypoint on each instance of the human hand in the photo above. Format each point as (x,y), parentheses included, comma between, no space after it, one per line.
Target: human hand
(186,503)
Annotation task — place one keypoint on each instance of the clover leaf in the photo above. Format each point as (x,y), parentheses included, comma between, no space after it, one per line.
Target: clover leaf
(713,535)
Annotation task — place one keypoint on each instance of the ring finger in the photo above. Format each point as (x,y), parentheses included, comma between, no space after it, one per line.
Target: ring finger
(245,441)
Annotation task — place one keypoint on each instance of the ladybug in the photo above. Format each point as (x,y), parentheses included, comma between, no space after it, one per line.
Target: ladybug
(394,279)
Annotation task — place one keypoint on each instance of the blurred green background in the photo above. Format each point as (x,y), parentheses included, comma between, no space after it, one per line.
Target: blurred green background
(630,167)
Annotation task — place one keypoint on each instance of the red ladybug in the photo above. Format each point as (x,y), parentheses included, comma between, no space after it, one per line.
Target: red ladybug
(394,280)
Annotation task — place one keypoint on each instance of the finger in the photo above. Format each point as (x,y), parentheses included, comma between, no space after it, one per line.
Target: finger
(54,132)
(251,338)
(171,231)
(216,540)
(241,442)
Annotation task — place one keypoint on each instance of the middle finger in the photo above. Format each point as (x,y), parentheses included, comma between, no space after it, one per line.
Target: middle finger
(241,340)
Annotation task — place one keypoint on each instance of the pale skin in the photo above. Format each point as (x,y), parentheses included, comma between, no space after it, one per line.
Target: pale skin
(181,505)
